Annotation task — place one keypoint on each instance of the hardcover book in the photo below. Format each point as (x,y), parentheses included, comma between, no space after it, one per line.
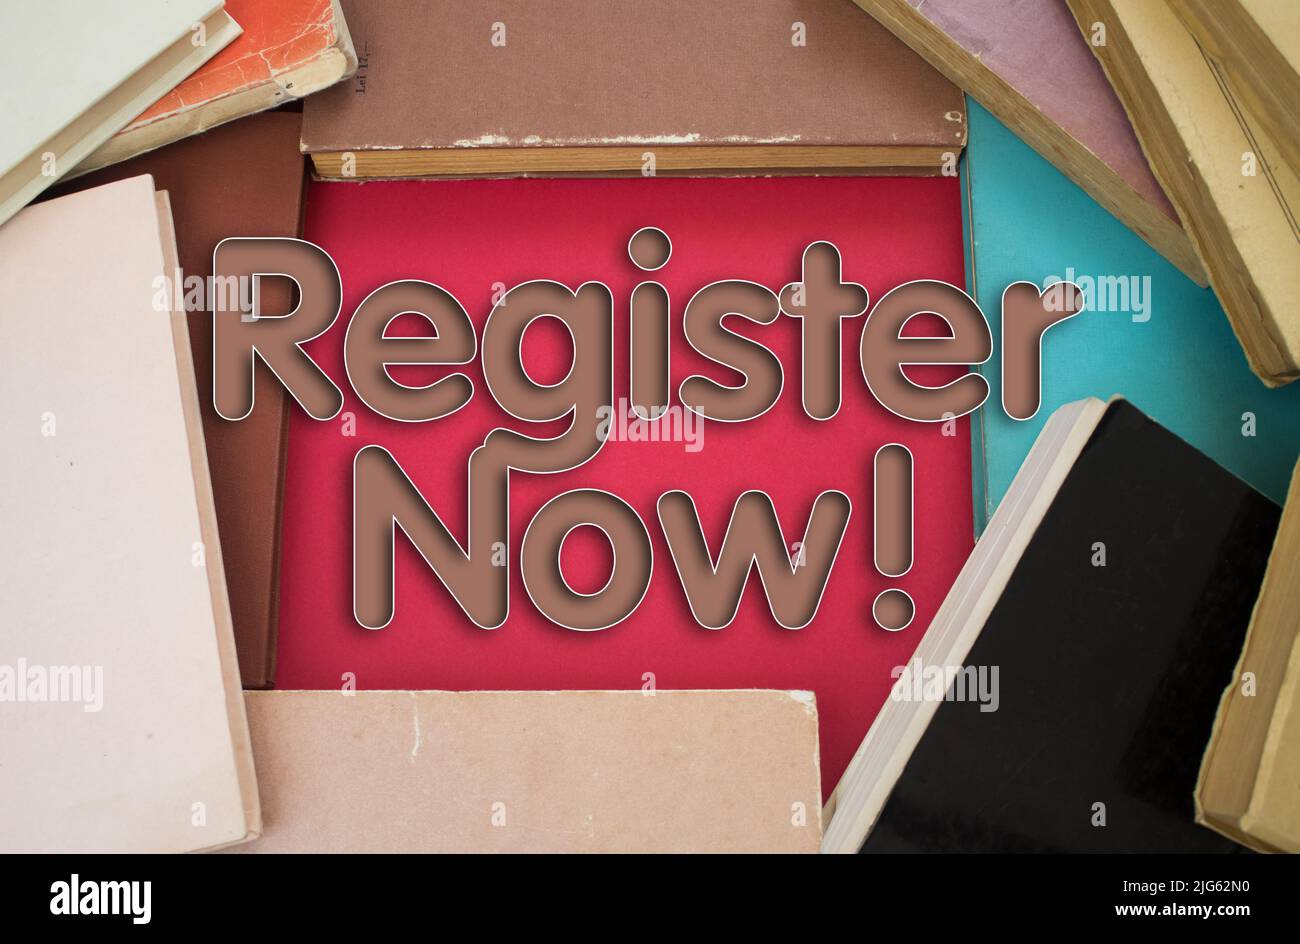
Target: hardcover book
(1236,195)
(1249,788)
(1027,63)
(122,724)
(289,49)
(77,75)
(1062,697)
(676,87)
(1256,44)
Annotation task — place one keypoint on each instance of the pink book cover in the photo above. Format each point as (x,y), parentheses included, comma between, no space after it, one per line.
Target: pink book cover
(1028,62)
(1036,47)
(472,238)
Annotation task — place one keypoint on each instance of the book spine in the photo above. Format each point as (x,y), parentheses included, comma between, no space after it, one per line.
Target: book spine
(979,461)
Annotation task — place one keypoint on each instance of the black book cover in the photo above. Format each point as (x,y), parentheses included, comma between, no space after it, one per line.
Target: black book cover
(1108,676)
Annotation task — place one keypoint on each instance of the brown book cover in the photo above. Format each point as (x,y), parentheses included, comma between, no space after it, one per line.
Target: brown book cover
(622,771)
(242,179)
(729,86)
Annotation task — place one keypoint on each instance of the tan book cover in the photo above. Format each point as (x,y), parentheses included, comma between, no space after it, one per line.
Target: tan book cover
(1257,45)
(580,86)
(122,726)
(629,771)
(1236,196)
(1249,787)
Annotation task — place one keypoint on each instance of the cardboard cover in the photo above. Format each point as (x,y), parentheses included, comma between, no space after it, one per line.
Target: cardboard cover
(245,179)
(122,724)
(680,771)
(578,73)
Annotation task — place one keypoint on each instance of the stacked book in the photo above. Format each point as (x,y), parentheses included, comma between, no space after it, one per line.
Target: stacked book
(1104,649)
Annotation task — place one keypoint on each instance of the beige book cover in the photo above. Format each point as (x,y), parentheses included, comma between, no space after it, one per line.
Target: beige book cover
(1236,196)
(1249,786)
(625,771)
(1257,45)
(122,726)
(77,72)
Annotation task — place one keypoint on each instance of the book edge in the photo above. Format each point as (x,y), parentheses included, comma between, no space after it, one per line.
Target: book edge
(187,387)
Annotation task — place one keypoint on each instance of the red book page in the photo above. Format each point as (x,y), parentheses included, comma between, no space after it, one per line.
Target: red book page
(468,236)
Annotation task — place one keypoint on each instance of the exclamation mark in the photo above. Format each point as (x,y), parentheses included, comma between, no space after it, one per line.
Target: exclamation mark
(893,609)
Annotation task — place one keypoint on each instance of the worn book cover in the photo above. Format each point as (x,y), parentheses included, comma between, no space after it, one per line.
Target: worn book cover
(1027,63)
(629,771)
(288,49)
(1249,787)
(638,89)
(1235,194)
(1256,44)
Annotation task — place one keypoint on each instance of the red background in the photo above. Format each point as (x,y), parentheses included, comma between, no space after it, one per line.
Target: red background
(468,235)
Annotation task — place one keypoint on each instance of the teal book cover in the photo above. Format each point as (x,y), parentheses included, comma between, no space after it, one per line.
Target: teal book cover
(1147,332)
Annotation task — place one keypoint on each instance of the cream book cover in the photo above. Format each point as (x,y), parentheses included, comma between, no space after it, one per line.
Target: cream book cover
(77,72)
(122,727)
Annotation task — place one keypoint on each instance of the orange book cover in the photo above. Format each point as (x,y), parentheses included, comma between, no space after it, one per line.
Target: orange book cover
(289,49)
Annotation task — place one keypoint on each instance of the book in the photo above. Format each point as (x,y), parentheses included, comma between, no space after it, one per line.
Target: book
(1147,330)
(246,179)
(124,726)
(422,771)
(731,87)
(1256,44)
(1236,196)
(289,49)
(1027,64)
(77,78)
(1249,785)
(1062,697)
(889,231)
